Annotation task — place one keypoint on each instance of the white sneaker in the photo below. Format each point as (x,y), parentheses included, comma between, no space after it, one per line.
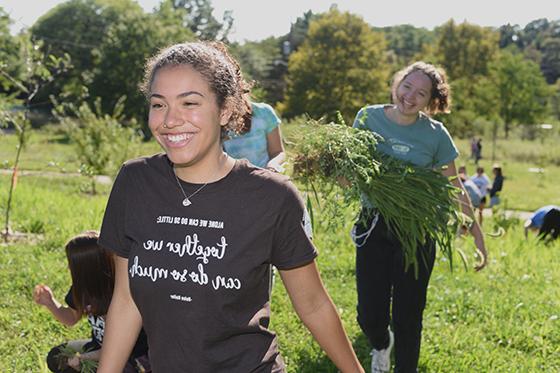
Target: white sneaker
(381,359)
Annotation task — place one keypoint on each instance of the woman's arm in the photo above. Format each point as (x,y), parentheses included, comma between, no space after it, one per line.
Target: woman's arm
(466,206)
(318,313)
(43,295)
(276,152)
(123,323)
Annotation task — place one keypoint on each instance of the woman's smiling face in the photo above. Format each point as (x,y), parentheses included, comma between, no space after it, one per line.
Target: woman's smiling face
(413,94)
(184,115)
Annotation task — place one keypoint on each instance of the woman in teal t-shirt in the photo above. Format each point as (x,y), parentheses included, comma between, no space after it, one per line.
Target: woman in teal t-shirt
(261,141)
(409,134)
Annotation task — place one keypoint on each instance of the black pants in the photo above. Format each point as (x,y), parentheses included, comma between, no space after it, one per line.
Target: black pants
(380,276)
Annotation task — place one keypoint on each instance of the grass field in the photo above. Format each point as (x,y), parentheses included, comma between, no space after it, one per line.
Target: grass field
(503,319)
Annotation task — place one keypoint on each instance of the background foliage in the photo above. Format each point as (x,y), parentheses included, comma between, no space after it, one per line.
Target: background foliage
(328,62)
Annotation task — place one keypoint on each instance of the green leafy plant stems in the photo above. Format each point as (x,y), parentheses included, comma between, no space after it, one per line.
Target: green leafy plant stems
(86,365)
(418,204)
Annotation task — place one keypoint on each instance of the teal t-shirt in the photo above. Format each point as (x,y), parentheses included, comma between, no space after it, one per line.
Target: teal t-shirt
(424,143)
(253,145)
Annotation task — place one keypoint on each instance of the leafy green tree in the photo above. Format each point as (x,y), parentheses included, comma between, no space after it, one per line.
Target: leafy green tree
(406,42)
(198,17)
(38,70)
(534,33)
(258,60)
(511,35)
(340,66)
(77,28)
(275,81)
(101,141)
(550,63)
(522,92)
(555,101)
(539,41)
(120,59)
(9,52)
(465,50)
(266,61)
(298,31)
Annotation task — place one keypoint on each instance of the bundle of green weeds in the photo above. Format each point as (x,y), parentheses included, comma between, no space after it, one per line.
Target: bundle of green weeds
(67,352)
(417,204)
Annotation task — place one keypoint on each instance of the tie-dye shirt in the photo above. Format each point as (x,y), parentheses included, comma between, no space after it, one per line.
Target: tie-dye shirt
(253,145)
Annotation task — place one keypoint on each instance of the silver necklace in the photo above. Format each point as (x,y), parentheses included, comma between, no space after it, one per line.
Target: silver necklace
(187,200)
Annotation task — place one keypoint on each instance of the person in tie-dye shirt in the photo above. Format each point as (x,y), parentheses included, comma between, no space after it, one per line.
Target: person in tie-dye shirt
(260,141)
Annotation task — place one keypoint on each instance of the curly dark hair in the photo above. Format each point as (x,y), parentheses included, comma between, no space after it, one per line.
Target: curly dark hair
(222,72)
(440,100)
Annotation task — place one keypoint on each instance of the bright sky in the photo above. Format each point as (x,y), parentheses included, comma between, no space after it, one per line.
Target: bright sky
(258,19)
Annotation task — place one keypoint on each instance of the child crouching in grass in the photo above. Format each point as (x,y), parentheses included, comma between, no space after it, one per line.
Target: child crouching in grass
(93,278)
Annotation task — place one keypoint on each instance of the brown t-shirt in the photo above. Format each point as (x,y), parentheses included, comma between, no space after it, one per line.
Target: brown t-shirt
(200,275)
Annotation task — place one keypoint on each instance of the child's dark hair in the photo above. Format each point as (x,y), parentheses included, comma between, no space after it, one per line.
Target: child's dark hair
(93,274)
(222,72)
(550,228)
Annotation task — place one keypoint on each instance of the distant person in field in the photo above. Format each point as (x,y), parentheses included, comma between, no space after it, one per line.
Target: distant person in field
(92,271)
(478,154)
(482,181)
(474,193)
(260,139)
(385,289)
(474,148)
(472,190)
(546,221)
(497,185)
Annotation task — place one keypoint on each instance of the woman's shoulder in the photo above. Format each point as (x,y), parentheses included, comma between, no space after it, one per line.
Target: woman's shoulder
(261,106)
(369,114)
(158,160)
(264,112)
(261,109)
(156,164)
(434,125)
(375,108)
(431,122)
(257,178)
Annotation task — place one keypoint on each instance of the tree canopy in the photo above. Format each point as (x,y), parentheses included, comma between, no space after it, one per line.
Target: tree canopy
(340,66)
(327,63)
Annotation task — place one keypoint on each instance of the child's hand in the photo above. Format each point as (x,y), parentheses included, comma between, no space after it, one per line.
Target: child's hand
(74,362)
(43,295)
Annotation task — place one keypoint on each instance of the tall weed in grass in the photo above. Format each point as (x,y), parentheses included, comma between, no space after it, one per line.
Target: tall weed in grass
(101,141)
(38,70)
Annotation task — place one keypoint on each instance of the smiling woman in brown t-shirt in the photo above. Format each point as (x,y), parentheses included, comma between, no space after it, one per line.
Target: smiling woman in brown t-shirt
(196,233)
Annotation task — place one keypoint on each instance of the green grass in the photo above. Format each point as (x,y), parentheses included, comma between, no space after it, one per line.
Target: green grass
(44,151)
(503,319)
(47,150)
(524,189)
